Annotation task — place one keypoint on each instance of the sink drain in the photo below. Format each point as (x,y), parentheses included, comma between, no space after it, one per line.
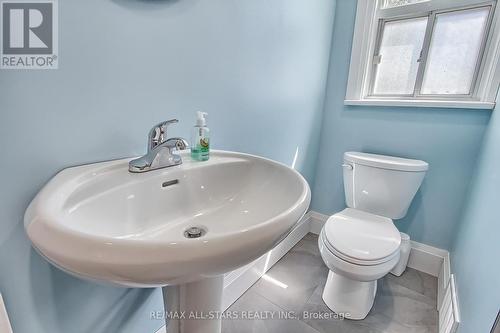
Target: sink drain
(194,232)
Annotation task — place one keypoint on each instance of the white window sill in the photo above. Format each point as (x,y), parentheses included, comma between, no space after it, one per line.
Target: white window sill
(423,103)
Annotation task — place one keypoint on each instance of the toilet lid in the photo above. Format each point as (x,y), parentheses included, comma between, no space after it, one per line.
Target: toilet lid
(362,236)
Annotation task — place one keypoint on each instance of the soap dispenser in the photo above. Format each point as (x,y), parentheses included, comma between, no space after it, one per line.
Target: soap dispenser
(200,141)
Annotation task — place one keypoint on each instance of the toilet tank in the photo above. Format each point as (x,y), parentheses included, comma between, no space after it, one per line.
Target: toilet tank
(381,185)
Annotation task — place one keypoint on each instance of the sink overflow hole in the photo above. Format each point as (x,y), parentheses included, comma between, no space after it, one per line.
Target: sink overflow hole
(170,182)
(194,232)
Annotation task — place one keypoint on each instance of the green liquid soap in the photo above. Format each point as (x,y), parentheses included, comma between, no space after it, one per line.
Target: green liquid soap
(200,154)
(200,142)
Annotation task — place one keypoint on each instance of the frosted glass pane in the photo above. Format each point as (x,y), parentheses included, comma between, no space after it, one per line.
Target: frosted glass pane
(397,3)
(400,48)
(454,51)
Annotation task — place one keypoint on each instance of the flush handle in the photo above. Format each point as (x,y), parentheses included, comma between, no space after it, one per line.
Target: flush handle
(347,166)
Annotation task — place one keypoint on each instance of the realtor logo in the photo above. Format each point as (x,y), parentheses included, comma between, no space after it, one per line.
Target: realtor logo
(29,35)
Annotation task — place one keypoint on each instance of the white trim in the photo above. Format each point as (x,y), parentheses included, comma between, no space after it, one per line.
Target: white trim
(424,258)
(4,318)
(427,6)
(447,299)
(365,30)
(443,279)
(489,78)
(317,222)
(449,314)
(427,103)
(240,280)
(363,43)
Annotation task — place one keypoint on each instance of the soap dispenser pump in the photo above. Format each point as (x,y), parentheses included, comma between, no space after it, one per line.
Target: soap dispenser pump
(200,141)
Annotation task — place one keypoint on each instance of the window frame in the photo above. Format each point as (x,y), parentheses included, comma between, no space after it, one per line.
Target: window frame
(370,19)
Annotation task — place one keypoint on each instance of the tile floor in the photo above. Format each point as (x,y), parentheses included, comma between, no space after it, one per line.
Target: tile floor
(294,286)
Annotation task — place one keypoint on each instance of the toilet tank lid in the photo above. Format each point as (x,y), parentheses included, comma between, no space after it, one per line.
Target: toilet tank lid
(386,162)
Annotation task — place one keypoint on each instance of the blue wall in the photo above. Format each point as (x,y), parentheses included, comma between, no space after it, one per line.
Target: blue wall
(258,67)
(449,139)
(475,252)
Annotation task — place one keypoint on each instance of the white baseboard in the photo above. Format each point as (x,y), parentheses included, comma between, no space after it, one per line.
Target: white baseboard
(447,299)
(426,258)
(4,318)
(317,221)
(240,280)
(443,279)
(449,316)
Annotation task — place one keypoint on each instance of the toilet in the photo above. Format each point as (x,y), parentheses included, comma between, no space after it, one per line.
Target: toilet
(361,244)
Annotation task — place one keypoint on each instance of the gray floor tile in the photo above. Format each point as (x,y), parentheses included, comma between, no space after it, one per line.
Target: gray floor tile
(420,282)
(308,244)
(403,304)
(291,282)
(269,313)
(396,309)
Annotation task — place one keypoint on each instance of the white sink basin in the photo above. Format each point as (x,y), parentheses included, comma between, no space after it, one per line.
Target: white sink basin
(103,223)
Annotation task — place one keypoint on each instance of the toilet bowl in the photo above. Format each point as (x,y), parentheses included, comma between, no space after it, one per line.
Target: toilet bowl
(361,244)
(358,248)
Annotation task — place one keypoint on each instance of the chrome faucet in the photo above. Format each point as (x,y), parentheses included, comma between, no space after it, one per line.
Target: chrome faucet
(160,150)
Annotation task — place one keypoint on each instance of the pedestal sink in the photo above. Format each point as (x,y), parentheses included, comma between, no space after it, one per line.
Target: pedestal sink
(180,228)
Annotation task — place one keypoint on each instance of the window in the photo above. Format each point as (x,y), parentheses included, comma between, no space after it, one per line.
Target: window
(425,53)
(396,62)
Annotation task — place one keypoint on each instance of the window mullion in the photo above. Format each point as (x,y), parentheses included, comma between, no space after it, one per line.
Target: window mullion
(422,61)
(376,53)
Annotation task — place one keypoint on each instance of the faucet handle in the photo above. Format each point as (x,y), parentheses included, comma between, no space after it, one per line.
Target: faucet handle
(157,134)
(168,122)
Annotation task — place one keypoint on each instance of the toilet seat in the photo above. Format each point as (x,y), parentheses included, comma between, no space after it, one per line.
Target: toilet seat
(351,270)
(361,238)
(358,261)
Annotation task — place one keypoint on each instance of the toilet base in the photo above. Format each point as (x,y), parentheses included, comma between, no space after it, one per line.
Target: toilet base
(348,297)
